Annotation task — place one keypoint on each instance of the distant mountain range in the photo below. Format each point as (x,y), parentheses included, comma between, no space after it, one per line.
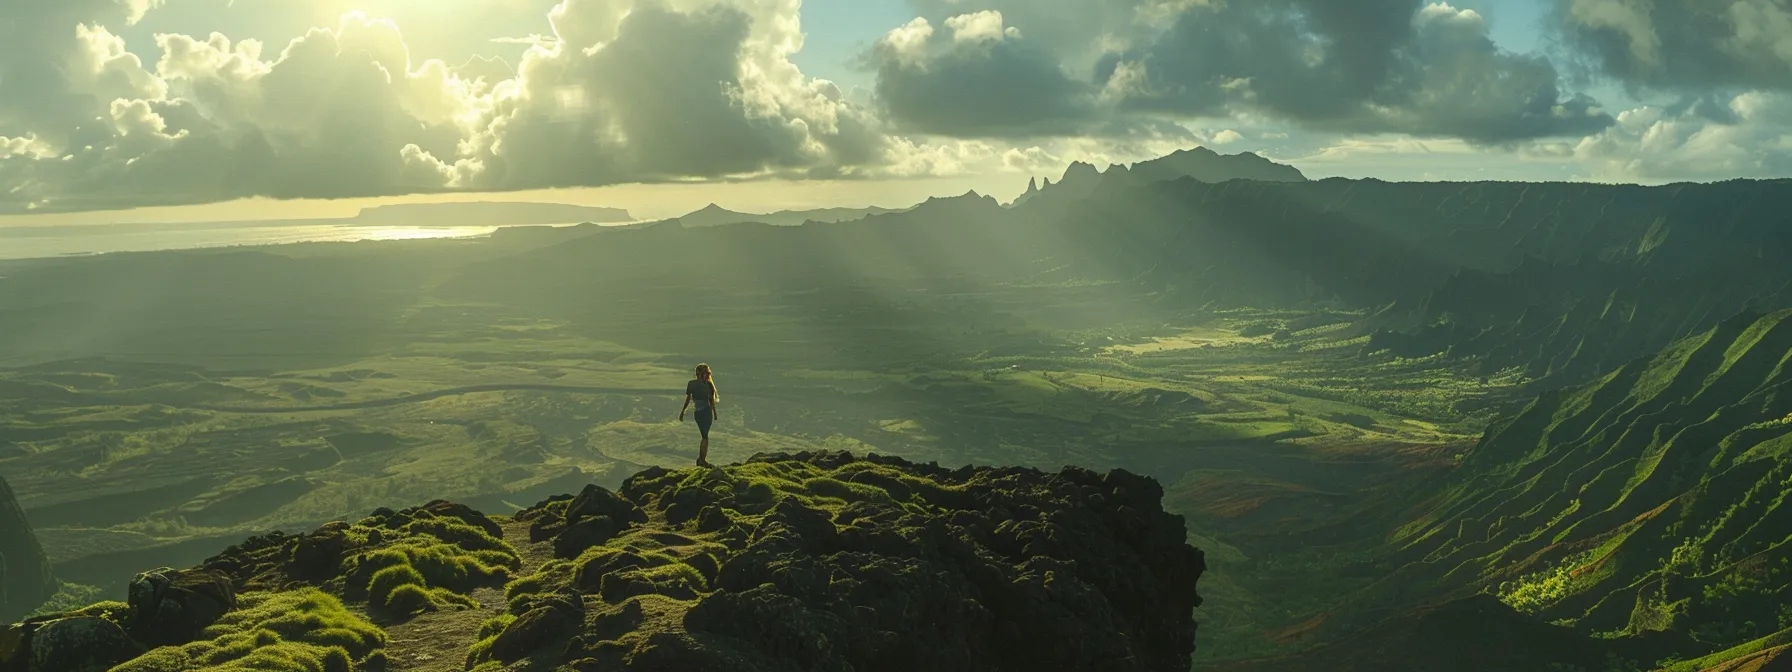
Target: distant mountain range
(485,213)
(716,215)
(1079,181)
(1202,164)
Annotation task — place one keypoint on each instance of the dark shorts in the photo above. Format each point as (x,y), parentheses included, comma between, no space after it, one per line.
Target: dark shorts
(705,418)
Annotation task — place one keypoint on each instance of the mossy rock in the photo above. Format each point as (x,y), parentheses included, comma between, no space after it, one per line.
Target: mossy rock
(80,644)
(304,630)
(816,561)
(172,607)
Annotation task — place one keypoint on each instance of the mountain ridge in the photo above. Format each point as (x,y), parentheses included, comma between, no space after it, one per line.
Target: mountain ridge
(716,215)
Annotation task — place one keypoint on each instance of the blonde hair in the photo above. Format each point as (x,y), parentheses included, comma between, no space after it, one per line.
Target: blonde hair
(715,395)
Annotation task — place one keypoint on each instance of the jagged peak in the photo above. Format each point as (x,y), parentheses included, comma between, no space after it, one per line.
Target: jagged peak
(971,195)
(1032,185)
(1079,169)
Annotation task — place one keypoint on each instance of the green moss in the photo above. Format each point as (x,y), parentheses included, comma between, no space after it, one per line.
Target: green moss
(300,631)
(758,491)
(387,581)
(408,599)
(488,635)
(552,576)
(676,572)
(847,492)
(494,626)
(116,612)
(434,566)
(527,585)
(457,532)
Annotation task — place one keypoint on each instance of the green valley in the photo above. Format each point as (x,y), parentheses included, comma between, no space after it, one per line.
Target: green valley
(1396,419)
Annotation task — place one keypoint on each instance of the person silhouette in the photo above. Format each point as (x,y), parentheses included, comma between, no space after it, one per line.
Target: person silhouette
(702,390)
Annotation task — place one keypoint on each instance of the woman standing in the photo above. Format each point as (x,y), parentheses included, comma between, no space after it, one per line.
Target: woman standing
(702,389)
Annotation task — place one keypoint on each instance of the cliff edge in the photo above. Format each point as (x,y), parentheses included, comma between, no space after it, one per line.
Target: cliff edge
(812,561)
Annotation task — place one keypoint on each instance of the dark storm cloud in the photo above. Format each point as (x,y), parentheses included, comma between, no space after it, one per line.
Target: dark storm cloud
(992,84)
(1683,44)
(1371,66)
(1365,66)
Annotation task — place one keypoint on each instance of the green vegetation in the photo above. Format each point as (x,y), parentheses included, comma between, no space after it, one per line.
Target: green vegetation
(436,562)
(299,631)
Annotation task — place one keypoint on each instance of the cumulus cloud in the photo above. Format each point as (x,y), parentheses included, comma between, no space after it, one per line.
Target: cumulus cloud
(623,92)
(618,91)
(1361,67)
(326,117)
(1076,32)
(1748,135)
(1226,137)
(1008,68)
(1684,44)
(978,78)
(664,91)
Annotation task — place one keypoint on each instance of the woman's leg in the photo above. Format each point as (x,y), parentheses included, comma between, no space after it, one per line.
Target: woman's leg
(704,418)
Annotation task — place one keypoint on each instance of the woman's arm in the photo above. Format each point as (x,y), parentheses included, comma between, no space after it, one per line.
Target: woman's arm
(687,406)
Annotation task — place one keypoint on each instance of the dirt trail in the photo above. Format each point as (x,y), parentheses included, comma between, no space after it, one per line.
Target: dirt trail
(437,641)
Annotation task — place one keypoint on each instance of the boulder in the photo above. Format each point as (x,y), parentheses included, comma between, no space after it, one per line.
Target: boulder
(172,607)
(599,501)
(81,644)
(551,619)
(584,534)
(447,509)
(14,654)
(318,555)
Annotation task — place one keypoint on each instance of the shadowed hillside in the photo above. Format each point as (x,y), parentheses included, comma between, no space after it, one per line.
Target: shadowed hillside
(1653,499)
(25,580)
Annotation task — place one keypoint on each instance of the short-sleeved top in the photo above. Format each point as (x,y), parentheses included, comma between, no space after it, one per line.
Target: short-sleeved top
(700,391)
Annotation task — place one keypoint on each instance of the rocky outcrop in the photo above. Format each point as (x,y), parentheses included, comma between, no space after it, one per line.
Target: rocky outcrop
(25,580)
(172,607)
(815,561)
(71,643)
(290,601)
(824,561)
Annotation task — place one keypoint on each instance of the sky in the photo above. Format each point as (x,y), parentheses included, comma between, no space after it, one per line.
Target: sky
(147,110)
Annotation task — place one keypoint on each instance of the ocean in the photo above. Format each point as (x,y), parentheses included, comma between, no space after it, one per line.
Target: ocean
(30,242)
